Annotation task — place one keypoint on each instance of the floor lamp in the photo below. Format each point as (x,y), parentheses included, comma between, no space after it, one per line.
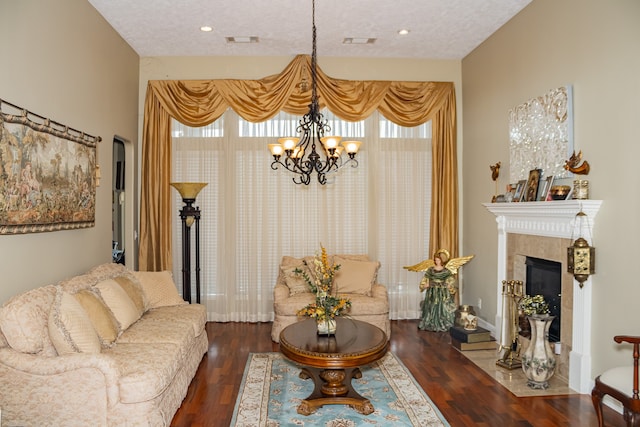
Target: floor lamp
(189,214)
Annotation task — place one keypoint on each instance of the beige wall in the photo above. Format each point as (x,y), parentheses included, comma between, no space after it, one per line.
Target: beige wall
(592,45)
(61,60)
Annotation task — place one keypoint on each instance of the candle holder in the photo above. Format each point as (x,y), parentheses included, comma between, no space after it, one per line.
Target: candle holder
(189,215)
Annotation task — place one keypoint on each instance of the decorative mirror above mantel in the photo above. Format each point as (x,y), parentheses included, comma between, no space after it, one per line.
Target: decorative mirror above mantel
(541,135)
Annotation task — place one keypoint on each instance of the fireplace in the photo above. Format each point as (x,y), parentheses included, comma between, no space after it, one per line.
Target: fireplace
(544,230)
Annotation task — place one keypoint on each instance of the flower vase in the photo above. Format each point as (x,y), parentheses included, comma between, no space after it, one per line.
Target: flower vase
(538,360)
(326,326)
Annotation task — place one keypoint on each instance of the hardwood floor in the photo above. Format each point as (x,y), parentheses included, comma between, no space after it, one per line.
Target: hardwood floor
(465,395)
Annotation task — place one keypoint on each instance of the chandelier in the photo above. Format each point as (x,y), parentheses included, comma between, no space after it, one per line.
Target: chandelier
(300,155)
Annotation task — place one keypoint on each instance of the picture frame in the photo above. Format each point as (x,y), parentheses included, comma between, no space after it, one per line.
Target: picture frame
(517,196)
(531,193)
(543,194)
(510,192)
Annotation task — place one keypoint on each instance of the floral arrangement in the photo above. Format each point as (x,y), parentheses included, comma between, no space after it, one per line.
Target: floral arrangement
(326,305)
(533,305)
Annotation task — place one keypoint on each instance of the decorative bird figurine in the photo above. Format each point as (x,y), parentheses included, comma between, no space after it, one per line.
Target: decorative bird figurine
(572,164)
(495,171)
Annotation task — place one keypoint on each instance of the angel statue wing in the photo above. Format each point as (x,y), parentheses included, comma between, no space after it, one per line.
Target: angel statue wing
(421,266)
(455,263)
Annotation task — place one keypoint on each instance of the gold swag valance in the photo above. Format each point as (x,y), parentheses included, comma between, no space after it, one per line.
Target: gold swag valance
(201,102)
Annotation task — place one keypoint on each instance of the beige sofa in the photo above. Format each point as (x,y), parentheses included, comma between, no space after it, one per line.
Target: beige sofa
(107,348)
(356,279)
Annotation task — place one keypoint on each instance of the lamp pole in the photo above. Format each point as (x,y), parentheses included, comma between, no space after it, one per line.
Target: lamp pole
(189,215)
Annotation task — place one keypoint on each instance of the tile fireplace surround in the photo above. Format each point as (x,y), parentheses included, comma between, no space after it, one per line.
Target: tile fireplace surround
(544,230)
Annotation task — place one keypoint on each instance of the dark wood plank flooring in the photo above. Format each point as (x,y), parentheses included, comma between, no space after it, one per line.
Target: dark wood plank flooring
(465,395)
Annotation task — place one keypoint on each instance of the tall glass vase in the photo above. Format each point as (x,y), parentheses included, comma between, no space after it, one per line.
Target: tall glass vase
(538,360)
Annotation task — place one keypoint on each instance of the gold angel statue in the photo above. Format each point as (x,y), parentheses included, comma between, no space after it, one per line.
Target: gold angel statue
(440,283)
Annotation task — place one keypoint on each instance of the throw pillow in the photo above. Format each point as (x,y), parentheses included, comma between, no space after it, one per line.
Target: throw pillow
(159,288)
(289,261)
(100,316)
(70,329)
(309,262)
(355,277)
(295,282)
(123,309)
(133,288)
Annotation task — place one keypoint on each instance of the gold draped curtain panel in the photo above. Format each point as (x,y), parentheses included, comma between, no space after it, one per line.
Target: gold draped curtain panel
(201,102)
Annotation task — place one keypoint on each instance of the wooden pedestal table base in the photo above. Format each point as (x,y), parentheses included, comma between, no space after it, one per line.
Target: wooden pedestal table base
(332,389)
(333,362)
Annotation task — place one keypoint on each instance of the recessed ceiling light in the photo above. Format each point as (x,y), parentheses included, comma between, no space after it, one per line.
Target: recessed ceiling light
(206,28)
(242,39)
(359,40)
(403,32)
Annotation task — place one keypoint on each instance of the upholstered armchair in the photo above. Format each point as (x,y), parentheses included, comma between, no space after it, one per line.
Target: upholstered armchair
(620,383)
(356,280)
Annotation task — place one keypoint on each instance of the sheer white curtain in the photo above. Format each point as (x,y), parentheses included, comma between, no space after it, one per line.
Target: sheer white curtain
(252,215)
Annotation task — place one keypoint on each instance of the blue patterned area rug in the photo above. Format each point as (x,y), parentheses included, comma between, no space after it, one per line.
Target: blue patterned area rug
(271,391)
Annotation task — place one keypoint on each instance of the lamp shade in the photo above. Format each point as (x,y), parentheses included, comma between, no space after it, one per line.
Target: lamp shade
(351,147)
(188,190)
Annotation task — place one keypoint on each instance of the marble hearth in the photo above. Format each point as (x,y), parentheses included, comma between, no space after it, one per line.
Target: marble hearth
(544,230)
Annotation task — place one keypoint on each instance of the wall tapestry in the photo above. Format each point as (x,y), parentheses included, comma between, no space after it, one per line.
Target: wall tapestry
(47,174)
(541,135)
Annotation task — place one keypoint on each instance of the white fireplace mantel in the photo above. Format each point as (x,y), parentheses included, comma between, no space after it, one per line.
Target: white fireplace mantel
(549,219)
(557,219)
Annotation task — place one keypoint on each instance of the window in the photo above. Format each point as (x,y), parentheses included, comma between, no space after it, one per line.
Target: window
(252,215)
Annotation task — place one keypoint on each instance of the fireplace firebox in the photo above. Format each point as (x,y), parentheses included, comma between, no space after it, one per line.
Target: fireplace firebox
(544,277)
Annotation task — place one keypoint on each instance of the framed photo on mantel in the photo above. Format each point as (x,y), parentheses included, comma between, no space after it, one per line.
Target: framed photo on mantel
(531,192)
(517,197)
(543,194)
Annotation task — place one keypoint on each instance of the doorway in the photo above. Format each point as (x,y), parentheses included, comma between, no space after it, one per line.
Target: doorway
(118,201)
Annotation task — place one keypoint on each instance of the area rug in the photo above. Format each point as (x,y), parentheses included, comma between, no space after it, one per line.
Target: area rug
(271,391)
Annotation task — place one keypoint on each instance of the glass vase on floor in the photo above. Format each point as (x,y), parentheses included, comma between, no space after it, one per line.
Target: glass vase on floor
(538,360)
(326,326)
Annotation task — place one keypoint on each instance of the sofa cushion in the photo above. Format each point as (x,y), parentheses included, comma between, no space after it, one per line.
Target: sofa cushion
(146,370)
(159,288)
(362,305)
(24,321)
(194,314)
(294,281)
(355,277)
(102,319)
(70,328)
(124,310)
(148,331)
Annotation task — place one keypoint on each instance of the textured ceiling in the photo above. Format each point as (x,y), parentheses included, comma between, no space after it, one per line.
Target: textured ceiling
(439,29)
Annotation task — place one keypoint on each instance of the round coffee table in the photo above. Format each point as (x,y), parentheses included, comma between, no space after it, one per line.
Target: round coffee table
(333,361)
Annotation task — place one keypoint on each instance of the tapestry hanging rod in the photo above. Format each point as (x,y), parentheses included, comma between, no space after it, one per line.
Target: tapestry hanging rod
(47,125)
